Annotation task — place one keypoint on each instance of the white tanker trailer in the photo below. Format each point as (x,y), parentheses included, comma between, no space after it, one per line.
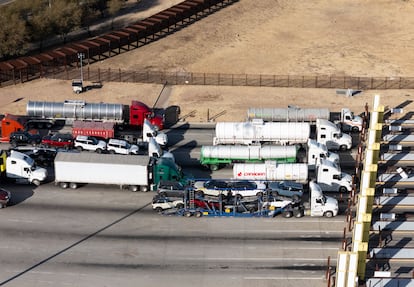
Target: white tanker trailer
(346,119)
(290,114)
(258,132)
(328,174)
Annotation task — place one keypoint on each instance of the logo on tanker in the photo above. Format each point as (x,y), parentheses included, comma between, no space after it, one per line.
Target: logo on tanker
(239,174)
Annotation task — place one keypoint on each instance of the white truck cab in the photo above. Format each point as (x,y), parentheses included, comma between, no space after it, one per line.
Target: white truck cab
(330,135)
(149,131)
(155,150)
(316,151)
(330,177)
(320,204)
(22,168)
(349,121)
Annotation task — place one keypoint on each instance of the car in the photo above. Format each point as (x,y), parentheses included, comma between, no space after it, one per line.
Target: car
(89,143)
(58,140)
(5,197)
(172,189)
(290,189)
(41,155)
(207,204)
(121,147)
(160,203)
(239,189)
(24,137)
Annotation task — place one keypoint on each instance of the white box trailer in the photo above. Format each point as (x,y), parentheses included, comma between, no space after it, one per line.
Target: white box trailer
(259,132)
(72,169)
(137,172)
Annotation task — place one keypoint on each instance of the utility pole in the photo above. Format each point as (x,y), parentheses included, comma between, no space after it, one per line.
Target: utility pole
(81,56)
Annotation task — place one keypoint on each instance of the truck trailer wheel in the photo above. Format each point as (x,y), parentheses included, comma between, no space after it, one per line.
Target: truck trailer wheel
(187,213)
(198,214)
(287,214)
(328,214)
(73,185)
(64,185)
(355,129)
(133,188)
(214,167)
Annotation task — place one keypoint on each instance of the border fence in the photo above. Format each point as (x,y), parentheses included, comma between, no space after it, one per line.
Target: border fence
(220,79)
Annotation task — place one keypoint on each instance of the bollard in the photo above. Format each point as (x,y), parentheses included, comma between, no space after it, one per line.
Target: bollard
(328,268)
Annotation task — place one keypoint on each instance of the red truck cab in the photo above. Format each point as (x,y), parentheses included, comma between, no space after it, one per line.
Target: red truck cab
(11,123)
(139,111)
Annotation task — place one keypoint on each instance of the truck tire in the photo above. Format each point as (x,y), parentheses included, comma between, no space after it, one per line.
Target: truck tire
(343,148)
(187,213)
(63,185)
(328,214)
(214,167)
(36,182)
(133,188)
(298,213)
(259,194)
(180,206)
(355,129)
(198,214)
(73,185)
(287,214)
(112,151)
(144,188)
(343,189)
(2,205)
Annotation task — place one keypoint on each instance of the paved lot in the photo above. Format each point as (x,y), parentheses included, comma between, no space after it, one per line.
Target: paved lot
(103,236)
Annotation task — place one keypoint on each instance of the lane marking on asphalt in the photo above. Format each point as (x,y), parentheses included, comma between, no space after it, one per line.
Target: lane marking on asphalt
(254,259)
(284,278)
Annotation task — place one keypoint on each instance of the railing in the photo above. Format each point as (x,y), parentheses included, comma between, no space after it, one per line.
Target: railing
(220,79)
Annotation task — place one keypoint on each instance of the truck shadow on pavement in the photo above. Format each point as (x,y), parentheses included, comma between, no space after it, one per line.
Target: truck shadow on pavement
(19,193)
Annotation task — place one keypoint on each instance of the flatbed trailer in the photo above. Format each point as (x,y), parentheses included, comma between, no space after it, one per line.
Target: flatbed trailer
(397,159)
(405,139)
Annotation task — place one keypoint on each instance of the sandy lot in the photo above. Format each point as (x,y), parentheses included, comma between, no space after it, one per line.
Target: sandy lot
(358,38)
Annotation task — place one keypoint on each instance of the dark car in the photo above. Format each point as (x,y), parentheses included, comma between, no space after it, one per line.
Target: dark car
(286,188)
(24,137)
(4,197)
(171,189)
(58,140)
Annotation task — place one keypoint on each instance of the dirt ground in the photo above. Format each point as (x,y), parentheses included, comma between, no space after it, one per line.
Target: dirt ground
(338,37)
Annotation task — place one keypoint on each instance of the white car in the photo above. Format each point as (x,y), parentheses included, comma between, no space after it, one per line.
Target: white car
(89,143)
(121,146)
(238,188)
(160,204)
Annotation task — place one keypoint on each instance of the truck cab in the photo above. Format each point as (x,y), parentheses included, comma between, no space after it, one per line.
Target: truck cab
(349,121)
(317,151)
(320,204)
(149,131)
(22,168)
(330,178)
(139,111)
(329,134)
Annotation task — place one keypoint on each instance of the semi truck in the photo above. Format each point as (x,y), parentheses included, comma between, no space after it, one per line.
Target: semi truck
(213,157)
(71,110)
(280,133)
(135,172)
(108,130)
(331,135)
(328,174)
(21,168)
(259,132)
(48,115)
(347,120)
(321,205)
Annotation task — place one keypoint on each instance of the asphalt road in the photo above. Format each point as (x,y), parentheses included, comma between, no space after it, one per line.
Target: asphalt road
(103,236)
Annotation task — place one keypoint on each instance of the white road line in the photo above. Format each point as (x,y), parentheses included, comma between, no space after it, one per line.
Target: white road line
(254,259)
(284,278)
